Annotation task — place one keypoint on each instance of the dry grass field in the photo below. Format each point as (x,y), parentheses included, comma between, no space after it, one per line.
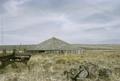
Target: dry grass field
(51,67)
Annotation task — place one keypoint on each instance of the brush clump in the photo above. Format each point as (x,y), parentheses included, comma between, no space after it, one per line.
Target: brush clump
(53,67)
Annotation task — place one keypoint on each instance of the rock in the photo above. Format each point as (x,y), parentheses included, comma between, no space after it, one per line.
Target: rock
(78,74)
(92,69)
(89,71)
(117,71)
(104,73)
(83,74)
(73,71)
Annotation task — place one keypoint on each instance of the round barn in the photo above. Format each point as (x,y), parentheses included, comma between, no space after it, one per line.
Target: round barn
(55,46)
(50,46)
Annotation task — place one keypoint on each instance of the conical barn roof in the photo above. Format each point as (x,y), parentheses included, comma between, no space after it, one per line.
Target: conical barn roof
(53,44)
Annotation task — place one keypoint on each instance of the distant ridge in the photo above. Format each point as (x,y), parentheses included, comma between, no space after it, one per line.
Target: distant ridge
(57,44)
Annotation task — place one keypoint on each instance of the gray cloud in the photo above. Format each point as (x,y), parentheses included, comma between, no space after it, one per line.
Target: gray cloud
(76,21)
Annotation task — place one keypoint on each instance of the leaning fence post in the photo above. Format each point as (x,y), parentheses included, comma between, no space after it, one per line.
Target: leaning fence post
(4,51)
(14,52)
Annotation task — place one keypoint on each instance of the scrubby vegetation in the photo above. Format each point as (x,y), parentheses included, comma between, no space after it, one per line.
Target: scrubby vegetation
(51,67)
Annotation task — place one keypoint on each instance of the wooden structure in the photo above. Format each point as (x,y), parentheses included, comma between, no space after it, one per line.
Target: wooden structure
(57,46)
(14,57)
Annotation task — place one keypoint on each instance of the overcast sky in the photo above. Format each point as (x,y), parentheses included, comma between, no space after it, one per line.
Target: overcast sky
(74,21)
